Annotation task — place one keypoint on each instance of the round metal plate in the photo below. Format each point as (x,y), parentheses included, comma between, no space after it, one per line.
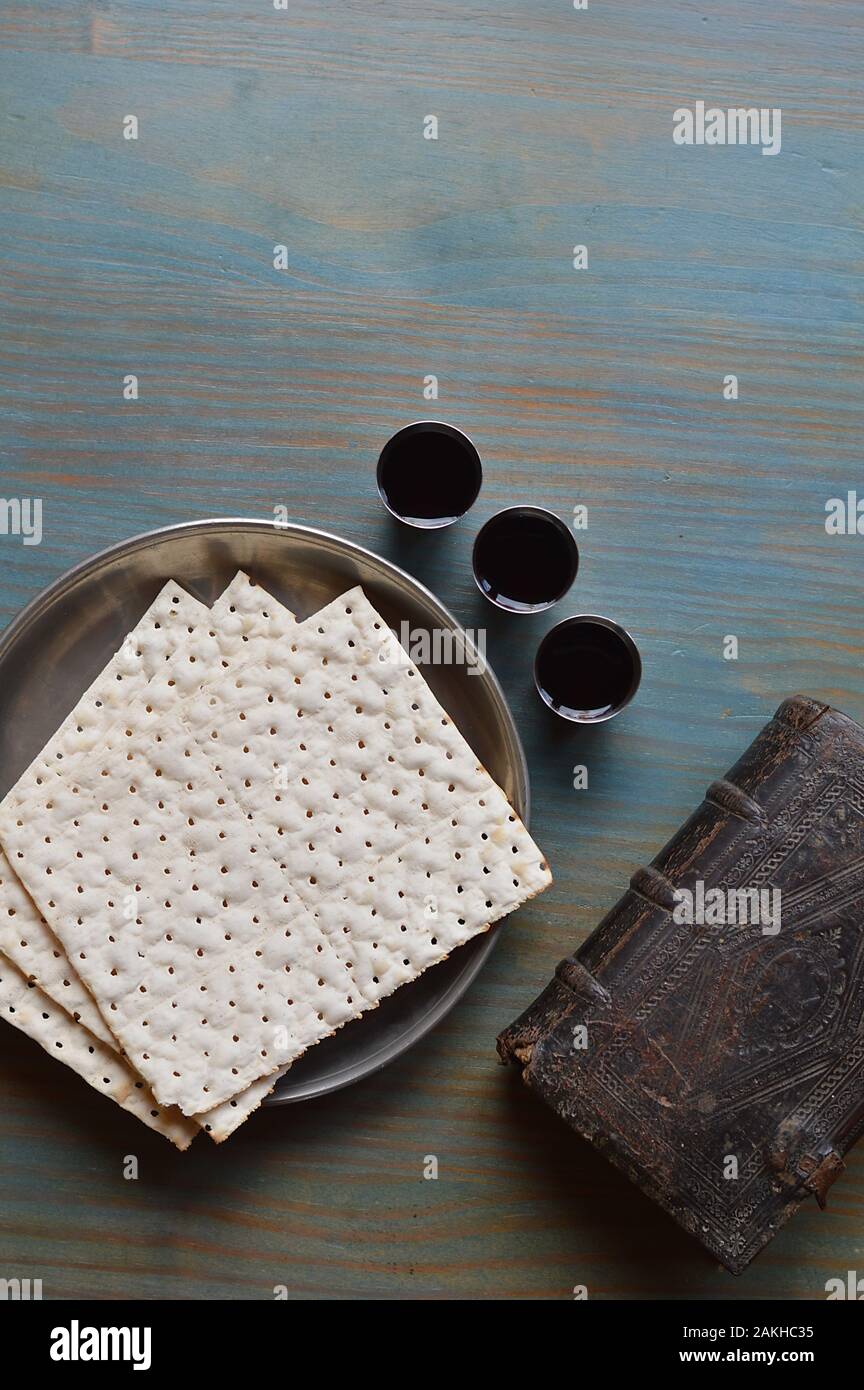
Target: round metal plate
(60,642)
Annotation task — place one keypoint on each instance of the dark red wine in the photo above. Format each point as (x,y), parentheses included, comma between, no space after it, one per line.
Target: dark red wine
(587,669)
(525,559)
(429,474)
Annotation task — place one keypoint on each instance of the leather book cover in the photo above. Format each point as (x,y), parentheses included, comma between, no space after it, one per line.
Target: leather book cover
(708,1037)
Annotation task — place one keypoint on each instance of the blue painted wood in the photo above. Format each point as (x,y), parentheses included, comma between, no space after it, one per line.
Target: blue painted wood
(600,387)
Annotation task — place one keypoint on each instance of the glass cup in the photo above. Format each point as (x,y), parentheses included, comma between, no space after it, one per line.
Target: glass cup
(587,669)
(524,559)
(429,474)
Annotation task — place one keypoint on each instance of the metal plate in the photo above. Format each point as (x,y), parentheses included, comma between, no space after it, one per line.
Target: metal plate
(61,641)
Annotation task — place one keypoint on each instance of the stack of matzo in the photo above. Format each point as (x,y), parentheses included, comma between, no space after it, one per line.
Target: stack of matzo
(247,832)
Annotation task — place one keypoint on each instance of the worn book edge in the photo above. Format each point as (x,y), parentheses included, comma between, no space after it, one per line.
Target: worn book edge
(574,984)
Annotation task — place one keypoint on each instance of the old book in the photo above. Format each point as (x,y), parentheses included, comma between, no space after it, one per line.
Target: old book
(708,1037)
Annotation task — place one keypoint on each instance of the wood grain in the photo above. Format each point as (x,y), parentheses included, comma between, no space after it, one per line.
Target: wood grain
(604,387)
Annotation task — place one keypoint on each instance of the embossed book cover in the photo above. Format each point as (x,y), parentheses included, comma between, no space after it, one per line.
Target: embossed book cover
(708,1037)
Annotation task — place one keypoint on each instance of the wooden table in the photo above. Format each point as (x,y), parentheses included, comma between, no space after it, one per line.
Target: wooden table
(260,387)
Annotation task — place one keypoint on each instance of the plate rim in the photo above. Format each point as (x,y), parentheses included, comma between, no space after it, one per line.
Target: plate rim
(145,540)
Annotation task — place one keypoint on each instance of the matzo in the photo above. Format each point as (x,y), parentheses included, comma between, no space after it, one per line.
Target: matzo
(183,931)
(167,623)
(26,1007)
(162,642)
(386,825)
(25,937)
(443,862)
(392,901)
(224,1119)
(414,849)
(29,943)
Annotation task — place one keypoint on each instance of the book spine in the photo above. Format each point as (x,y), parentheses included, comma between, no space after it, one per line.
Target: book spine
(628,1097)
(588,974)
(571,987)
